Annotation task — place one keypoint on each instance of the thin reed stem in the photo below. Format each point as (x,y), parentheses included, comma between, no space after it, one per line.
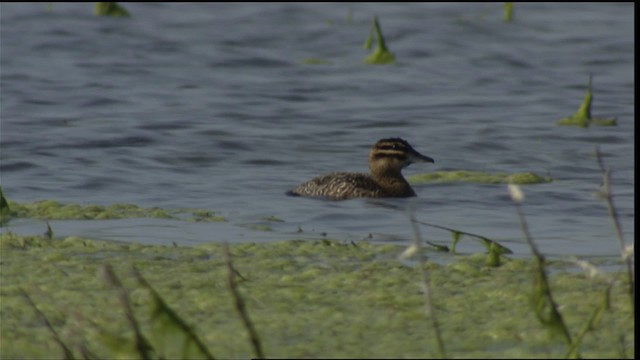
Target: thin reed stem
(143,346)
(426,286)
(542,298)
(240,306)
(606,194)
(67,352)
(163,308)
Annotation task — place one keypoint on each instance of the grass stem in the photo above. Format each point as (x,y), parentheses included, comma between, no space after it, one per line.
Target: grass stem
(542,298)
(240,305)
(143,346)
(606,195)
(426,286)
(67,352)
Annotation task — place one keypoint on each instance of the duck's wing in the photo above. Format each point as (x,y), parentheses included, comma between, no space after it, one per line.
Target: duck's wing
(339,186)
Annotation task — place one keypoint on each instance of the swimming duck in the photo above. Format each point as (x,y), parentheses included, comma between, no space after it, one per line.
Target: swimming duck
(387,158)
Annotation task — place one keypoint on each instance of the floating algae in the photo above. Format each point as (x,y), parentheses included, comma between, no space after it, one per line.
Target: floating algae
(480,177)
(315,61)
(306,299)
(582,117)
(53,210)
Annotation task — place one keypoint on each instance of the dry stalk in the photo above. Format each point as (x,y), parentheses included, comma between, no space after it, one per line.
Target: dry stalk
(240,306)
(426,286)
(606,195)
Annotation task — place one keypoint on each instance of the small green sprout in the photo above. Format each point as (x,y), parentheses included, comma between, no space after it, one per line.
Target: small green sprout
(456,236)
(110,9)
(582,117)
(508,11)
(381,54)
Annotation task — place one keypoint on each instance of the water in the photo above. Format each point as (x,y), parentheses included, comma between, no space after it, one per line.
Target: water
(212,106)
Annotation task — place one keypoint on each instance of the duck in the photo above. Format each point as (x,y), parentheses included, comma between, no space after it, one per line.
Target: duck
(387,158)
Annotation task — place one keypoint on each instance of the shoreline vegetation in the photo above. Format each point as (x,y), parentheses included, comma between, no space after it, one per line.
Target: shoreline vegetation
(304,298)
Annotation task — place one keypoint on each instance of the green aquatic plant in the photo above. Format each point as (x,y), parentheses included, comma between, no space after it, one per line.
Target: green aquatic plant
(493,255)
(68,354)
(201,215)
(315,61)
(544,306)
(456,236)
(508,11)
(53,210)
(110,9)
(142,345)
(480,177)
(258,227)
(5,210)
(240,306)
(606,195)
(493,247)
(381,55)
(426,286)
(170,334)
(591,324)
(348,19)
(49,232)
(307,298)
(271,218)
(582,118)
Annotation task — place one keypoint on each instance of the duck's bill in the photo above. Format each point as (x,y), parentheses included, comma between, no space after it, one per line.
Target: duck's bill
(417,157)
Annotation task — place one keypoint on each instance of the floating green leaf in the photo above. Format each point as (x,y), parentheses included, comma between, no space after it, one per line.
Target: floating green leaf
(381,54)
(582,117)
(110,9)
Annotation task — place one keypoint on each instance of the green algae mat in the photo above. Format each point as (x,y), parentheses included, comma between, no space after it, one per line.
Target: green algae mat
(305,299)
(479,177)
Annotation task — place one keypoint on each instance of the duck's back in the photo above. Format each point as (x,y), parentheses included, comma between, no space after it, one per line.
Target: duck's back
(339,186)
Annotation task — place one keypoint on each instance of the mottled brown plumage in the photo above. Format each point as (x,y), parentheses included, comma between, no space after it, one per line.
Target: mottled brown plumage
(387,158)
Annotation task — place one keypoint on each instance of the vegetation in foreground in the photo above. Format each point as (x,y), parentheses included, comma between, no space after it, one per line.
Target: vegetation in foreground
(304,298)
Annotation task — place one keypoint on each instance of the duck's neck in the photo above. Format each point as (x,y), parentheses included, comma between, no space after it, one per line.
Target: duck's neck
(392,181)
